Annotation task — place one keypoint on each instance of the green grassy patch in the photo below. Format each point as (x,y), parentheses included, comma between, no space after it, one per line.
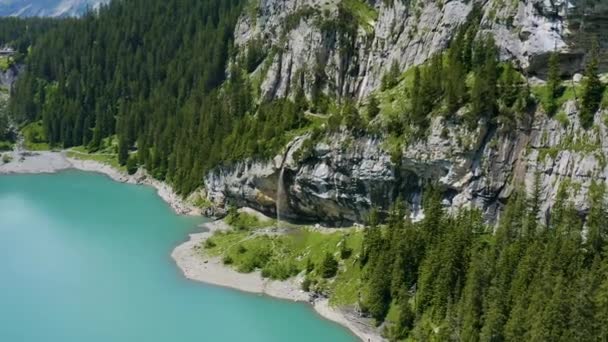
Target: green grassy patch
(569,93)
(6,146)
(35,138)
(199,201)
(366,15)
(5,63)
(104,158)
(245,221)
(80,149)
(586,143)
(314,122)
(286,255)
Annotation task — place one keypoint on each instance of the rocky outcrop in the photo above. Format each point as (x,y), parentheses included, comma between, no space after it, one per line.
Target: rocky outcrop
(305,51)
(9,76)
(344,176)
(339,178)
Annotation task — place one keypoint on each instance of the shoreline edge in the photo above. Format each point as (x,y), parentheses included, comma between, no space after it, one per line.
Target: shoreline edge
(192,265)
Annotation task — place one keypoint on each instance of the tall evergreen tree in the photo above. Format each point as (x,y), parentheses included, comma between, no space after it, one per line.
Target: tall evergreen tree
(592,89)
(597,220)
(553,87)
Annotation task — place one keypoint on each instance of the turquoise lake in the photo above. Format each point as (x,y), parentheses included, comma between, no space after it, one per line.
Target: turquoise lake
(83,258)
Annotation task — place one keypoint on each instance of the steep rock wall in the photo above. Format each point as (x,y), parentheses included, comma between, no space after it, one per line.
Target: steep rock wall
(344,176)
(9,76)
(303,50)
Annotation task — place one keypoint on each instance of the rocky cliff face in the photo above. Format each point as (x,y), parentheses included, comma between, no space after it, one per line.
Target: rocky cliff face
(9,76)
(342,176)
(338,183)
(305,53)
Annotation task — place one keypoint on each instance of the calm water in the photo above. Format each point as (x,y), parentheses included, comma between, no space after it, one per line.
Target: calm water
(83,258)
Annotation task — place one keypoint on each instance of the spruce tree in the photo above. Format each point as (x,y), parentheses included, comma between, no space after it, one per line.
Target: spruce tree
(405,318)
(416,98)
(597,219)
(132,165)
(592,89)
(391,77)
(123,151)
(472,298)
(455,88)
(509,85)
(600,301)
(329,266)
(379,296)
(373,108)
(553,87)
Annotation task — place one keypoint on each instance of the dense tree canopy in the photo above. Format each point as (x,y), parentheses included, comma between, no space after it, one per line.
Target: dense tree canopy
(162,77)
(21,33)
(455,278)
(152,73)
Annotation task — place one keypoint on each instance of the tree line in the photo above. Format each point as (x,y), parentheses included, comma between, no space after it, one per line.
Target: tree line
(166,80)
(453,278)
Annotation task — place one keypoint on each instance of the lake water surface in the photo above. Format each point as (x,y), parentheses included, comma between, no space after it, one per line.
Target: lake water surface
(83,258)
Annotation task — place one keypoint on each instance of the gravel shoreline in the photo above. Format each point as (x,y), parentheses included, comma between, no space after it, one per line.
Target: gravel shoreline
(51,162)
(212,271)
(193,265)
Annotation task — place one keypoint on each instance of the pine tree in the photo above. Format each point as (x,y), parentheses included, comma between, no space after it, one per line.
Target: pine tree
(329,266)
(123,151)
(472,299)
(405,319)
(391,78)
(600,301)
(417,110)
(455,88)
(373,108)
(533,207)
(491,75)
(477,105)
(456,71)
(351,118)
(597,220)
(554,317)
(592,89)
(132,165)
(432,225)
(582,320)
(484,91)
(553,87)
(379,297)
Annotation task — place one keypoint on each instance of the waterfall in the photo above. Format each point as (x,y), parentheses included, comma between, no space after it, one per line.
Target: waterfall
(280,195)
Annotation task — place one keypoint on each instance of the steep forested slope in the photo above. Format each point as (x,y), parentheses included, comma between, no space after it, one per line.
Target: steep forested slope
(147,70)
(355,107)
(448,277)
(356,111)
(166,82)
(451,278)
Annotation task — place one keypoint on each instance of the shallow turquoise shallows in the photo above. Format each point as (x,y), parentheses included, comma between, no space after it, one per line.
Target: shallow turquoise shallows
(83,258)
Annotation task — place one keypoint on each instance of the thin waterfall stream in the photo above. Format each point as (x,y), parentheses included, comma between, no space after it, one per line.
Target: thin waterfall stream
(280,195)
